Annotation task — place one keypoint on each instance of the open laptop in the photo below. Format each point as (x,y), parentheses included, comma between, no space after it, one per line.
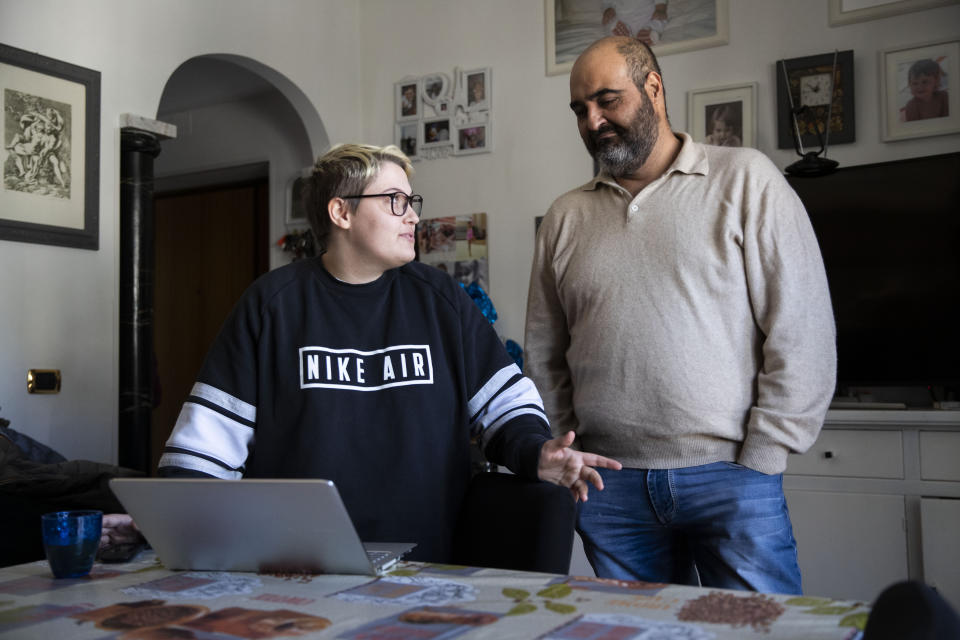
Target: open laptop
(251,525)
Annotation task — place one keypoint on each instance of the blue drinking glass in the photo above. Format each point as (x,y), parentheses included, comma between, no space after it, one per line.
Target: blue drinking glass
(70,539)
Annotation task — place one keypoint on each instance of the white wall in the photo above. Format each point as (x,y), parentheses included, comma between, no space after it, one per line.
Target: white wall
(537,152)
(262,128)
(58,306)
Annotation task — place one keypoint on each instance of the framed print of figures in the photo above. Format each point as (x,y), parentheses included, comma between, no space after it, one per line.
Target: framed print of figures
(50,156)
(680,25)
(724,116)
(477,86)
(815,89)
(407,96)
(407,138)
(849,11)
(920,90)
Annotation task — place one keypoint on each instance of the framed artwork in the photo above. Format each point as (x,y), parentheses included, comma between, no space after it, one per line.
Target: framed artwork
(436,87)
(451,114)
(407,95)
(818,91)
(919,87)
(848,11)
(296,212)
(456,245)
(408,138)
(50,155)
(685,25)
(724,116)
(474,138)
(476,83)
(436,132)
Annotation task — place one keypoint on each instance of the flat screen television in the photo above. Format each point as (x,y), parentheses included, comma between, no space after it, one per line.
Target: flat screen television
(890,237)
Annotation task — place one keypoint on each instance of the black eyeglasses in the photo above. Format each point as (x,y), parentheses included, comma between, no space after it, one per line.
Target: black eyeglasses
(399,201)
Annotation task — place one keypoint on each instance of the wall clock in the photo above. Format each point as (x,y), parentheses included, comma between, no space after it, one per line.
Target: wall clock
(808,82)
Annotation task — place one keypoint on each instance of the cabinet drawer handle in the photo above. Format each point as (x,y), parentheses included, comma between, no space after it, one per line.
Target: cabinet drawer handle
(828,454)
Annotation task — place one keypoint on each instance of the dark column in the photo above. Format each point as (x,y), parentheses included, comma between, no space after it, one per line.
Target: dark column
(137,151)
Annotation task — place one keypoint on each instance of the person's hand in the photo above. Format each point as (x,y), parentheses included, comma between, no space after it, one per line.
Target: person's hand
(573,469)
(608,14)
(620,29)
(645,36)
(118,528)
(660,12)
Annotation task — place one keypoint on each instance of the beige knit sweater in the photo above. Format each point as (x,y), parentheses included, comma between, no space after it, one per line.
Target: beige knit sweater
(688,325)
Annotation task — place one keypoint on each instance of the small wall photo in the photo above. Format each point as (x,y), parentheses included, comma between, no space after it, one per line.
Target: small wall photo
(723,116)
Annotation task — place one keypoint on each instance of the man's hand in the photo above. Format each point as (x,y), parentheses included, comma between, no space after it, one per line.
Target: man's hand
(566,467)
(118,528)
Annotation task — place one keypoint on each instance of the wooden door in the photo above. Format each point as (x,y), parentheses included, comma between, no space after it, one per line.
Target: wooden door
(210,245)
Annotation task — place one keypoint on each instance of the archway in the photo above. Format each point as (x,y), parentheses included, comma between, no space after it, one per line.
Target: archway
(242,127)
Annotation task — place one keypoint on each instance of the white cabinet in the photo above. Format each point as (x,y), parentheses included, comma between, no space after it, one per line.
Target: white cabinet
(876,500)
(862,533)
(940,525)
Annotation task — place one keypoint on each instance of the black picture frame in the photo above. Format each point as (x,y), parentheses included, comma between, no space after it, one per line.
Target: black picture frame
(792,72)
(43,150)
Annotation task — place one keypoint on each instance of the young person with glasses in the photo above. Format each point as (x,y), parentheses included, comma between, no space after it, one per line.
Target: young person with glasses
(369,369)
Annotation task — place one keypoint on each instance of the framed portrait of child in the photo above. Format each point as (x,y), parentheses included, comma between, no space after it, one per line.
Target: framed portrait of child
(920,90)
(724,116)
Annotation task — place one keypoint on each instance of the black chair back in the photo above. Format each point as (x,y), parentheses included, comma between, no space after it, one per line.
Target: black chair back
(508,522)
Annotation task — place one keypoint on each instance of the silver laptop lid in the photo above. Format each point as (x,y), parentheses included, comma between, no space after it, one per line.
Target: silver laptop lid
(249,525)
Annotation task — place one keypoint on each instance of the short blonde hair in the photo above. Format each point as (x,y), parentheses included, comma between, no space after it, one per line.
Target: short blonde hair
(346,169)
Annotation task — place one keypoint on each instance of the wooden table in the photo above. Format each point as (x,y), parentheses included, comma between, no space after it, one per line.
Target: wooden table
(144,600)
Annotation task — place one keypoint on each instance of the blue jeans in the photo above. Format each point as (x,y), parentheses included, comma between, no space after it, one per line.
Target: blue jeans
(720,525)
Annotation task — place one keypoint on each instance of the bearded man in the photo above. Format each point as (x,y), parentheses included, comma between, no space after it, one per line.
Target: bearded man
(679,320)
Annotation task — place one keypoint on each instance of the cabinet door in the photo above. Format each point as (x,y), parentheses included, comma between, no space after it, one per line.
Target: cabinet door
(940,528)
(851,545)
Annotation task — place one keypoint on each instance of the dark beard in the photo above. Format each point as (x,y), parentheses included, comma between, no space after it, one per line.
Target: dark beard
(631,147)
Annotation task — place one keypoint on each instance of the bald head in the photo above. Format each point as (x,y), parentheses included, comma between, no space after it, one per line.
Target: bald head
(616,92)
(637,57)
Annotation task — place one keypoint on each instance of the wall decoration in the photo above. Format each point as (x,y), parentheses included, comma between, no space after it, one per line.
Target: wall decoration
(571,25)
(477,82)
(407,136)
(818,91)
(437,116)
(407,96)
(50,156)
(296,213)
(847,11)
(920,90)
(456,245)
(436,132)
(724,116)
(473,138)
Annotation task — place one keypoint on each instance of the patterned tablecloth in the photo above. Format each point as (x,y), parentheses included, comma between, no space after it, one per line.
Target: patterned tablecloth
(143,600)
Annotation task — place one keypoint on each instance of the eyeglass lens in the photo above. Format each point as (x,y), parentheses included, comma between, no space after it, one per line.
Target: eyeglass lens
(399,202)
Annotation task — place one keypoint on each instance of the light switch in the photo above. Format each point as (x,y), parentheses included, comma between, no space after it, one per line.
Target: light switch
(43,381)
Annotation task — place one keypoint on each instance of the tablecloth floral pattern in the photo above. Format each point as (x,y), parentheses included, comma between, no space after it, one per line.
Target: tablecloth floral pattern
(142,600)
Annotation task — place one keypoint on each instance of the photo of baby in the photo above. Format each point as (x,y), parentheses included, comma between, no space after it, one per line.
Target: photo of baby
(725,124)
(925,90)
